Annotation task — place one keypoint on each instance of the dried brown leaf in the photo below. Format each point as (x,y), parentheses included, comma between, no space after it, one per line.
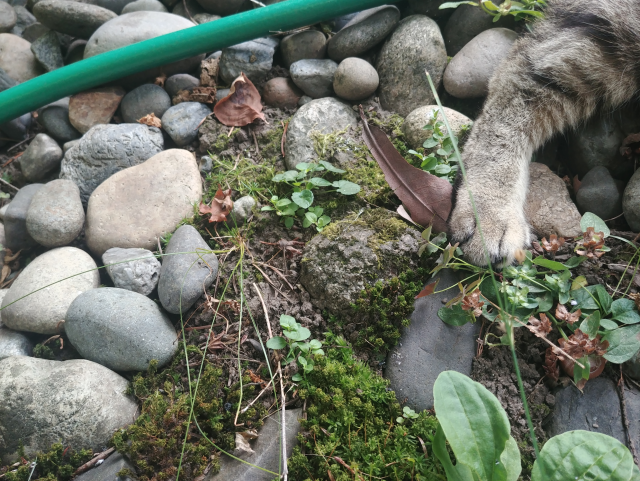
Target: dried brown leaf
(579,345)
(473,303)
(160,80)
(551,367)
(563,314)
(209,69)
(181,96)
(204,95)
(540,327)
(428,290)
(242,106)
(427,197)
(553,244)
(151,120)
(591,244)
(220,207)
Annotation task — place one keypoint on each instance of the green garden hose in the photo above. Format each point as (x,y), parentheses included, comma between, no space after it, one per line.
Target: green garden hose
(208,37)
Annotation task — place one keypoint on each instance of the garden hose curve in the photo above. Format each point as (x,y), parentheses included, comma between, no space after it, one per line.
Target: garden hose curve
(207,37)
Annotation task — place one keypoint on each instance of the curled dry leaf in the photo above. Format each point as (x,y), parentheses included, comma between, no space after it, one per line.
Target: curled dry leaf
(540,327)
(473,303)
(151,120)
(204,95)
(220,207)
(591,244)
(551,367)
(242,106)
(579,345)
(243,448)
(563,314)
(209,68)
(160,80)
(427,197)
(427,291)
(553,244)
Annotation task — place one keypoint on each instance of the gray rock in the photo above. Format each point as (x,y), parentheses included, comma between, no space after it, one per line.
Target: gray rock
(3,211)
(144,6)
(428,347)
(201,18)
(73,18)
(34,31)
(184,277)
(107,149)
(44,310)
(135,207)
(6,82)
(242,209)
(632,402)
(323,115)
(631,202)
(600,194)
(430,8)
(181,121)
(413,127)
(25,19)
(254,58)
(17,59)
(416,41)
(116,6)
(92,107)
(181,81)
(355,79)
(15,219)
(41,158)
(310,44)
(144,100)
(281,92)
(367,29)
(75,51)
(222,7)
(267,450)
(466,22)
(8,17)
(596,409)
(108,471)
(120,329)
(77,403)
(192,6)
(135,27)
(3,292)
(68,145)
(222,93)
(340,22)
(548,207)
(314,77)
(47,51)
(468,73)
(632,366)
(337,269)
(139,275)
(13,343)
(55,216)
(17,129)
(206,164)
(54,118)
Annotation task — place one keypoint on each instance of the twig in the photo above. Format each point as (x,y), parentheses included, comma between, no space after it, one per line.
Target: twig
(276,271)
(255,141)
(159,246)
(91,463)
(258,3)
(264,308)
(8,184)
(184,4)
(284,136)
(625,418)
(13,147)
(12,159)
(266,277)
(257,397)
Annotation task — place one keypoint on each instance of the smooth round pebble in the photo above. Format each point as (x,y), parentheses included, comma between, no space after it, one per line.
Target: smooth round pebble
(201,18)
(48,52)
(413,127)
(144,6)
(180,81)
(17,59)
(8,17)
(120,329)
(253,58)
(185,277)
(15,219)
(242,209)
(181,121)
(631,202)
(54,118)
(72,18)
(135,270)
(281,93)
(600,194)
(355,79)
(43,311)
(314,77)
(41,158)
(144,100)
(93,107)
(14,343)
(55,216)
(310,44)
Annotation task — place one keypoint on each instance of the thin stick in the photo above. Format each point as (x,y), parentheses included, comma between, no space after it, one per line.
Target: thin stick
(159,246)
(276,271)
(8,184)
(264,308)
(257,397)
(13,147)
(91,463)
(272,284)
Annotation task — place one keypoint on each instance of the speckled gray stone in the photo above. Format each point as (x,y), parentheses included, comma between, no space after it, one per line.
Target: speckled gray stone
(253,58)
(55,120)
(73,18)
(403,87)
(88,406)
(139,275)
(34,31)
(413,126)
(15,219)
(8,17)
(47,51)
(355,79)
(466,22)
(631,202)
(144,6)
(120,329)
(180,81)
(242,209)
(181,121)
(14,343)
(367,29)
(17,59)
(25,19)
(184,277)
(107,149)
(41,158)
(314,77)
(43,311)
(144,100)
(303,45)
(600,194)
(55,216)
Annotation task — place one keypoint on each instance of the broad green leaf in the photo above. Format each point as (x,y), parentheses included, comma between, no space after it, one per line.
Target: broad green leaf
(319,181)
(430,143)
(548,264)
(575,261)
(288,222)
(331,168)
(302,360)
(311,217)
(276,343)
(304,198)
(302,166)
(580,373)
(624,343)
(426,234)
(579,282)
(624,310)
(459,472)
(591,324)
(586,298)
(583,455)
(589,219)
(300,334)
(510,457)
(283,202)
(454,315)
(296,377)
(315,344)
(429,163)
(545,303)
(324,220)
(608,324)
(287,322)
(456,5)
(267,208)
(306,222)
(442,169)
(474,423)
(604,298)
(346,188)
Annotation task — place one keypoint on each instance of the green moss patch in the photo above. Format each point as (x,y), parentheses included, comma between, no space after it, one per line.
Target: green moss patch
(58,464)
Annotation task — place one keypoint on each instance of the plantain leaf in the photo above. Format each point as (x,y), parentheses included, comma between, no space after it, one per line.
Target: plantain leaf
(584,455)
(460,472)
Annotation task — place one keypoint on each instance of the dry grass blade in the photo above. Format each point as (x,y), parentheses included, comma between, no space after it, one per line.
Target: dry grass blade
(427,197)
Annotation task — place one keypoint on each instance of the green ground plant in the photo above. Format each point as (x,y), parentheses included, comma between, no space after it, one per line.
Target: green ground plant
(523,10)
(58,464)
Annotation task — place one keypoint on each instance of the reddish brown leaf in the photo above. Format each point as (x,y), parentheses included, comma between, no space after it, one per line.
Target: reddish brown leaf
(221,206)
(553,244)
(540,327)
(209,72)
(473,303)
(242,106)
(591,244)
(427,291)
(563,314)
(427,197)
(151,120)
(551,367)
